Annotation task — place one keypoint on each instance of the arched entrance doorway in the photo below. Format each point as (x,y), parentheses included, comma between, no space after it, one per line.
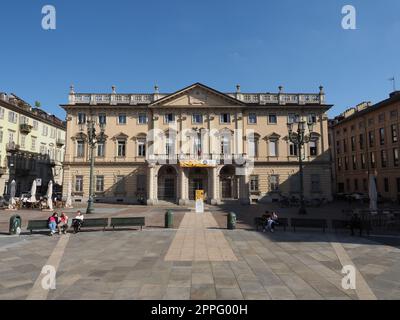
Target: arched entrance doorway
(228,183)
(167,184)
(198,180)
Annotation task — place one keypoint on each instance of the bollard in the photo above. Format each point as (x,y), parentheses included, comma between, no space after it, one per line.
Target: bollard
(169,219)
(231,221)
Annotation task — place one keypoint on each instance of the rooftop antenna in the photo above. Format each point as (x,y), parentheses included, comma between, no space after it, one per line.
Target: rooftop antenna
(393,79)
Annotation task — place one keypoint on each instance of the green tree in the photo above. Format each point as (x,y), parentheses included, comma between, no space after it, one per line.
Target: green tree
(38,104)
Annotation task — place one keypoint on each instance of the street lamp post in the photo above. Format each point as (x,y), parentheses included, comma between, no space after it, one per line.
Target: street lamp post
(299,139)
(92,141)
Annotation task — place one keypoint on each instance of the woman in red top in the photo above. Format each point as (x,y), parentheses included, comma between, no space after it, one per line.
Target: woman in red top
(62,225)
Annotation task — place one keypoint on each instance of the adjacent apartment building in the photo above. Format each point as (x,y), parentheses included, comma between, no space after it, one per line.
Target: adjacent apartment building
(365,140)
(32,144)
(165,146)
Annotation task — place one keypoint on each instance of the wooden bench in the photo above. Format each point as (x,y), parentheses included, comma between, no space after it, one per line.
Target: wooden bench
(37,225)
(260,222)
(95,223)
(309,223)
(128,222)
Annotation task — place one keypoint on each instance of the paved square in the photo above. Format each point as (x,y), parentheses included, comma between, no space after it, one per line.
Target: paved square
(198,260)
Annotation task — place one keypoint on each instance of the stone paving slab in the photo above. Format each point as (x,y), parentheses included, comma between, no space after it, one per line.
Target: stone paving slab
(133,265)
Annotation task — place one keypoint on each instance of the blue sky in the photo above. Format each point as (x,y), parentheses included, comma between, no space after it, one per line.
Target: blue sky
(258,43)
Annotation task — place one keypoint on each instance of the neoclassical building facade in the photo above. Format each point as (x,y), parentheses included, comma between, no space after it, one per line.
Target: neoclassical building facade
(163,147)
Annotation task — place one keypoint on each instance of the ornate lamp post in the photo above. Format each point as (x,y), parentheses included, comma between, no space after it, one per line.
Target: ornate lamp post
(92,141)
(299,138)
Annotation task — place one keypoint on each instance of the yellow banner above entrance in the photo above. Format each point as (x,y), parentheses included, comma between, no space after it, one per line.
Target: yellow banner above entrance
(198,163)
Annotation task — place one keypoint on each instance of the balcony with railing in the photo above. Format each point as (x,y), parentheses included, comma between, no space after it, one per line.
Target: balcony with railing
(12,147)
(60,142)
(25,128)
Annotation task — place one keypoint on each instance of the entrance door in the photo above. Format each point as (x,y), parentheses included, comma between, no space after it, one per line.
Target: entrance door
(169,188)
(195,184)
(226,186)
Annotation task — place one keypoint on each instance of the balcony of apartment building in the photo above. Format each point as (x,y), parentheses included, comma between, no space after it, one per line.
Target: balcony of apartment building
(25,128)
(12,147)
(60,142)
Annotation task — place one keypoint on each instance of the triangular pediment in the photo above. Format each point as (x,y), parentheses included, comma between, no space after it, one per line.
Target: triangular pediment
(197,95)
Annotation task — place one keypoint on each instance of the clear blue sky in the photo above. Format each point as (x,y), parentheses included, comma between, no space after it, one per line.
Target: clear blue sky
(258,43)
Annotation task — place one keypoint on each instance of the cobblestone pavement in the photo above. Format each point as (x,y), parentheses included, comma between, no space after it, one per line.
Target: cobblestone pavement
(134,264)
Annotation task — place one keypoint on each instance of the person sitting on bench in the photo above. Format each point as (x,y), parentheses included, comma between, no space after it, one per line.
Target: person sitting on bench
(52,223)
(77,222)
(62,225)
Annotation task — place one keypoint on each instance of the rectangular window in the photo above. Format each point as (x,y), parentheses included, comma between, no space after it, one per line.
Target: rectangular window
(312,118)
(354,161)
(386,184)
(394,133)
(393,114)
(45,130)
(339,164)
(363,162)
(23,141)
(396,157)
(315,183)
(383,158)
(197,119)
(355,184)
(361,141)
(348,185)
(338,147)
(313,148)
(252,118)
(35,125)
(99,183)
(371,138)
(381,117)
(122,118)
(344,145)
(372,159)
(169,118)
(100,149)
(121,152)
(293,118)
(370,122)
(353,143)
(293,149)
(11,136)
(12,117)
(1,113)
(225,118)
(81,118)
(382,136)
(102,118)
(80,149)
(254,183)
(141,148)
(272,119)
(142,118)
(274,183)
(273,148)
(24,120)
(33,143)
(52,133)
(1,136)
(346,163)
(79,184)
(225,145)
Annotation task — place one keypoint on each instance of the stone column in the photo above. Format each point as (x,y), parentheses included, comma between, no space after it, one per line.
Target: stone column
(244,194)
(183,184)
(152,198)
(214,180)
